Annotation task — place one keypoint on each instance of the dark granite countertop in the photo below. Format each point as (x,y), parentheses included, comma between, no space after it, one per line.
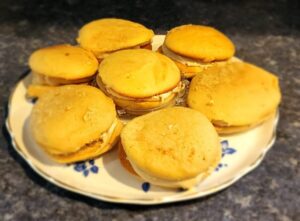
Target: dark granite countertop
(267,34)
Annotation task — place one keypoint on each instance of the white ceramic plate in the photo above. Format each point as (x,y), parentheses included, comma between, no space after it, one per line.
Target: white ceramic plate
(105,179)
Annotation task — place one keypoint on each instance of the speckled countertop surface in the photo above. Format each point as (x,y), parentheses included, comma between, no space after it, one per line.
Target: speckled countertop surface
(267,34)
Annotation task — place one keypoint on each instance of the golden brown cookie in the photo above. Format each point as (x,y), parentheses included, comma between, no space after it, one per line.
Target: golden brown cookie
(74,122)
(139,79)
(107,35)
(237,95)
(173,147)
(199,42)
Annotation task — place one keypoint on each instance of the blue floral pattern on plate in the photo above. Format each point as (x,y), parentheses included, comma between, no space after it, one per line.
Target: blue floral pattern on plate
(86,167)
(226,150)
(146,186)
(33,100)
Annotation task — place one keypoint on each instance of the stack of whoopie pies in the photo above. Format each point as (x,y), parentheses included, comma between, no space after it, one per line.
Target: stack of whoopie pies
(80,87)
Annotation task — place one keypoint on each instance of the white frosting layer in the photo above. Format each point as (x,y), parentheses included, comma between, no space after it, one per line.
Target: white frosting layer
(106,136)
(184,60)
(186,184)
(159,97)
(192,62)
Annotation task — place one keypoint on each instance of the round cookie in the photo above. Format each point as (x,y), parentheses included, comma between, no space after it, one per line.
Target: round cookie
(139,80)
(112,34)
(74,122)
(139,73)
(173,147)
(235,96)
(199,42)
(63,62)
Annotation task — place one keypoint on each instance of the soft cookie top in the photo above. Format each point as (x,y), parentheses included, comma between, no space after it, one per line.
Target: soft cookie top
(68,117)
(111,34)
(199,42)
(235,94)
(139,73)
(63,61)
(172,144)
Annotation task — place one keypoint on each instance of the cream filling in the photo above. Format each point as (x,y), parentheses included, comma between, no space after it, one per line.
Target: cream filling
(40,79)
(159,97)
(184,60)
(164,96)
(192,62)
(186,184)
(106,136)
